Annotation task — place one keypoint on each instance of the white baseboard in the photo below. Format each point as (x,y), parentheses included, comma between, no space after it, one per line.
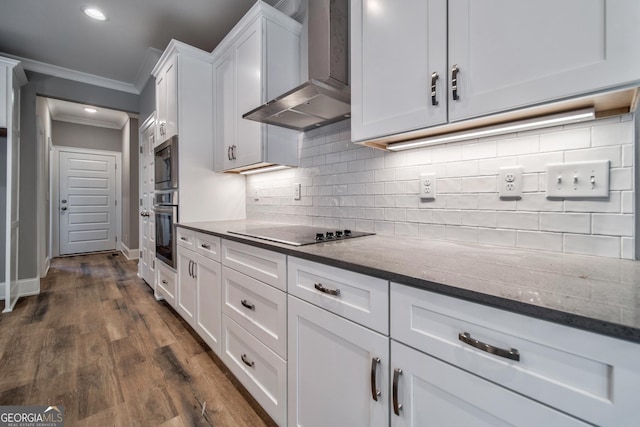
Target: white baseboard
(26,287)
(130,254)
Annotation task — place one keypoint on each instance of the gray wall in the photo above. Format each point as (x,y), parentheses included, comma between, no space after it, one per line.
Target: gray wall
(130,212)
(637,184)
(83,136)
(54,87)
(148,99)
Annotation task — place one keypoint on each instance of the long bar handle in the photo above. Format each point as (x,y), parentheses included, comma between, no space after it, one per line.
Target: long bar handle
(334,292)
(434,78)
(246,361)
(511,354)
(454,82)
(246,304)
(396,377)
(375,393)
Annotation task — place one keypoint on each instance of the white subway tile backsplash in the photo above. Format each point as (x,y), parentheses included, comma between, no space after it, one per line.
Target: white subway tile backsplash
(613,134)
(566,140)
(565,222)
(613,225)
(605,246)
(349,186)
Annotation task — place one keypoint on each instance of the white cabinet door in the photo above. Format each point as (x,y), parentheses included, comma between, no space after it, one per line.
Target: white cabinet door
(224,110)
(166,100)
(209,302)
(248,81)
(147,230)
(334,374)
(186,286)
(396,47)
(428,392)
(513,54)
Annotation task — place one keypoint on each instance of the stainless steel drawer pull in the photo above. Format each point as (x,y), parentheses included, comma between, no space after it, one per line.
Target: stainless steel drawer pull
(334,292)
(184,239)
(512,354)
(375,393)
(247,361)
(205,246)
(454,82)
(164,282)
(396,377)
(246,304)
(434,78)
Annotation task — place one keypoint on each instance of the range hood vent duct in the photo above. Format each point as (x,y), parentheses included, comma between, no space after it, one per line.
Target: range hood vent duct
(325,98)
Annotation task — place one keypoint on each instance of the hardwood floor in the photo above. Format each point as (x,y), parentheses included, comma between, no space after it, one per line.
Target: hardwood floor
(97,342)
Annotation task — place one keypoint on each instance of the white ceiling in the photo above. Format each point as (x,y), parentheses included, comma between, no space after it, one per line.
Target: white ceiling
(56,38)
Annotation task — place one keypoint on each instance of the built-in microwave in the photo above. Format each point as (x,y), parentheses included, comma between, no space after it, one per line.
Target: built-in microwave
(166,164)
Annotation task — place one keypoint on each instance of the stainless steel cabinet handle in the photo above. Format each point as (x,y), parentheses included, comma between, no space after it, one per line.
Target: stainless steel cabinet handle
(190,264)
(247,361)
(512,354)
(454,82)
(164,282)
(229,152)
(396,377)
(321,288)
(246,304)
(205,246)
(233,152)
(184,239)
(375,393)
(434,78)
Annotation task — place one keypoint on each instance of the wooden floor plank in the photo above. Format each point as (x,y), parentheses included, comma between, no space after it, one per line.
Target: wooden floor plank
(97,342)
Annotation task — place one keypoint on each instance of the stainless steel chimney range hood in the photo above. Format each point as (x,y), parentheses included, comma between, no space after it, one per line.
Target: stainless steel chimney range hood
(326,97)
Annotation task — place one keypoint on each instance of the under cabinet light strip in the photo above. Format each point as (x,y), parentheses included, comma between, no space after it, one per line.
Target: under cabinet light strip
(265,169)
(536,123)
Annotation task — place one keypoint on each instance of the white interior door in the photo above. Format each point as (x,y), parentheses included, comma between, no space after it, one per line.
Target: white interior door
(87,202)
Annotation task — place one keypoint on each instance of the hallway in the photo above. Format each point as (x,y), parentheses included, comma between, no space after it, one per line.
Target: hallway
(97,342)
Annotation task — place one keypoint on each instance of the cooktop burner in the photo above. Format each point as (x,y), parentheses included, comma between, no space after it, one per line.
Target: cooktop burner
(298,235)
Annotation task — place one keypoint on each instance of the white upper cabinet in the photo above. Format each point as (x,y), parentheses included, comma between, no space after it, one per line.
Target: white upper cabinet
(257,61)
(391,66)
(514,54)
(500,55)
(167,100)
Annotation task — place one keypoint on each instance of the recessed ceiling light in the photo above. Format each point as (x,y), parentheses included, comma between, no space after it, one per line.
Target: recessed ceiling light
(90,110)
(94,13)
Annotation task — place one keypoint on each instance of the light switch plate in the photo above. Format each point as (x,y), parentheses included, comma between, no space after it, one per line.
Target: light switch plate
(428,186)
(296,191)
(510,183)
(578,179)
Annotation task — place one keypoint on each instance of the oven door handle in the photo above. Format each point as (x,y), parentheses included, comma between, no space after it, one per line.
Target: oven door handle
(164,209)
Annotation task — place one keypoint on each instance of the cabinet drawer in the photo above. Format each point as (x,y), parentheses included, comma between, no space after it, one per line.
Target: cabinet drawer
(208,246)
(186,238)
(590,376)
(360,298)
(267,266)
(259,369)
(259,308)
(434,393)
(166,283)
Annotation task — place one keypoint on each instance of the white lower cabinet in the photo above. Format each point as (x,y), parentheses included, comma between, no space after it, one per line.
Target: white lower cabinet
(429,392)
(187,276)
(257,367)
(208,322)
(589,376)
(338,370)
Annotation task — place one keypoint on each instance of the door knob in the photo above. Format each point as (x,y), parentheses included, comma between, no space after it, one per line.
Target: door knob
(64,208)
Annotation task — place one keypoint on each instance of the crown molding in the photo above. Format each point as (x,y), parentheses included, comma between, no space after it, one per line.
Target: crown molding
(144,72)
(66,73)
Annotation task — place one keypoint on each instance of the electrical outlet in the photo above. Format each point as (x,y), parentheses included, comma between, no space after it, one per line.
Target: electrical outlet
(510,183)
(428,186)
(296,191)
(578,179)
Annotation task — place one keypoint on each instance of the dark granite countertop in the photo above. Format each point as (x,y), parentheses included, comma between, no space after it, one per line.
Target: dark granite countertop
(596,294)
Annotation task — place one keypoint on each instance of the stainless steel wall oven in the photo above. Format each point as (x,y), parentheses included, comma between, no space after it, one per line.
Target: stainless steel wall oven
(166,212)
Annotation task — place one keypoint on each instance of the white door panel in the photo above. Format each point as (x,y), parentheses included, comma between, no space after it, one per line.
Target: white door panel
(87,203)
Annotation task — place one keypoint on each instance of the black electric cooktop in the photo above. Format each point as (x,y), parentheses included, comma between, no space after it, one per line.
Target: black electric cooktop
(299,235)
